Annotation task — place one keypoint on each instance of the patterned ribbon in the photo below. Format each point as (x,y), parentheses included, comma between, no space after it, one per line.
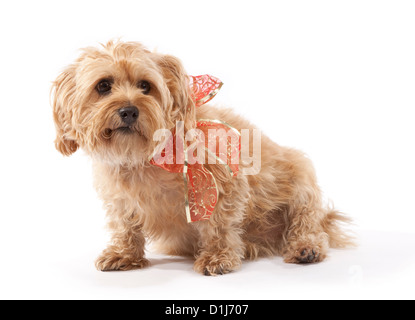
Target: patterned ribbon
(201,191)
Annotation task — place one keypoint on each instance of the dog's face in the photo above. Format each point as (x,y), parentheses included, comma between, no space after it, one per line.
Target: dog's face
(112,100)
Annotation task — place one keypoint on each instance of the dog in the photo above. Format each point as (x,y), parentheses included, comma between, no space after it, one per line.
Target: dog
(112,100)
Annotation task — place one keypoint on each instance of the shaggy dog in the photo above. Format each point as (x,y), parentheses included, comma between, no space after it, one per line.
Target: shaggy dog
(112,100)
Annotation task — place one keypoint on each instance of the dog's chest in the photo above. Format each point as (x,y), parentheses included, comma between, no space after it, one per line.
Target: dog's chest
(155,196)
(158,194)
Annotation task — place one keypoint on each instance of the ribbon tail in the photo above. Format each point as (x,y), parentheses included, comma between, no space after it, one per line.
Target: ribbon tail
(201,193)
(186,187)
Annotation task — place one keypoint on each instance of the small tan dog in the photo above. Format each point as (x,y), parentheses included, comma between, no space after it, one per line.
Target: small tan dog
(112,100)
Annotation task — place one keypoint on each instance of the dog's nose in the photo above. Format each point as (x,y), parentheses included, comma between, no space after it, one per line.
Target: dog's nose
(129,115)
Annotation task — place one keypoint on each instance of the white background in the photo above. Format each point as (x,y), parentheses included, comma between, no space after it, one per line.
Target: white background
(335,79)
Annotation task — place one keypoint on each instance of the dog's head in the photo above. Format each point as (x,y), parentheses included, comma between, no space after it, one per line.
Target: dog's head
(112,100)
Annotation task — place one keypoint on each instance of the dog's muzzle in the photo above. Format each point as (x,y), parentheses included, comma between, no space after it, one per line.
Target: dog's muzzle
(129,115)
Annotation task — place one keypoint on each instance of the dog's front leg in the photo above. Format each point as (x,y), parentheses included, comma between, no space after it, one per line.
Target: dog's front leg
(222,248)
(126,251)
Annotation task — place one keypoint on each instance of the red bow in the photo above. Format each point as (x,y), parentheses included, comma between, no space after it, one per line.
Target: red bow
(201,192)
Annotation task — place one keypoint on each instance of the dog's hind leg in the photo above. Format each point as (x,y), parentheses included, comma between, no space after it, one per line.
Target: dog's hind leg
(305,238)
(306,241)
(312,228)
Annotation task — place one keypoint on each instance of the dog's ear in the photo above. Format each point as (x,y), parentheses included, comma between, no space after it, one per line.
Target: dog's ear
(63,91)
(178,84)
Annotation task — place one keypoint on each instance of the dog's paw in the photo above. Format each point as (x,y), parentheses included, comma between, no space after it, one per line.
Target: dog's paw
(212,266)
(304,254)
(110,261)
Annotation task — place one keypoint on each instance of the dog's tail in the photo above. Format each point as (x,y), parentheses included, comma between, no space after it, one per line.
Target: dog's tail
(335,225)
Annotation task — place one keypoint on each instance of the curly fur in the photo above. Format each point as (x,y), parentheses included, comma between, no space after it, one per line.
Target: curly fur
(276,212)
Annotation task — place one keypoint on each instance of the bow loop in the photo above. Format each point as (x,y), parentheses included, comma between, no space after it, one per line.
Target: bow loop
(204,88)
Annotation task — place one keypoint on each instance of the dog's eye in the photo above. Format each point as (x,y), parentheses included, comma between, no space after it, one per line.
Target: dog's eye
(145,86)
(104,86)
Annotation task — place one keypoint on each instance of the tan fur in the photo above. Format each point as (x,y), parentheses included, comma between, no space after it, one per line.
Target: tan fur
(276,212)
